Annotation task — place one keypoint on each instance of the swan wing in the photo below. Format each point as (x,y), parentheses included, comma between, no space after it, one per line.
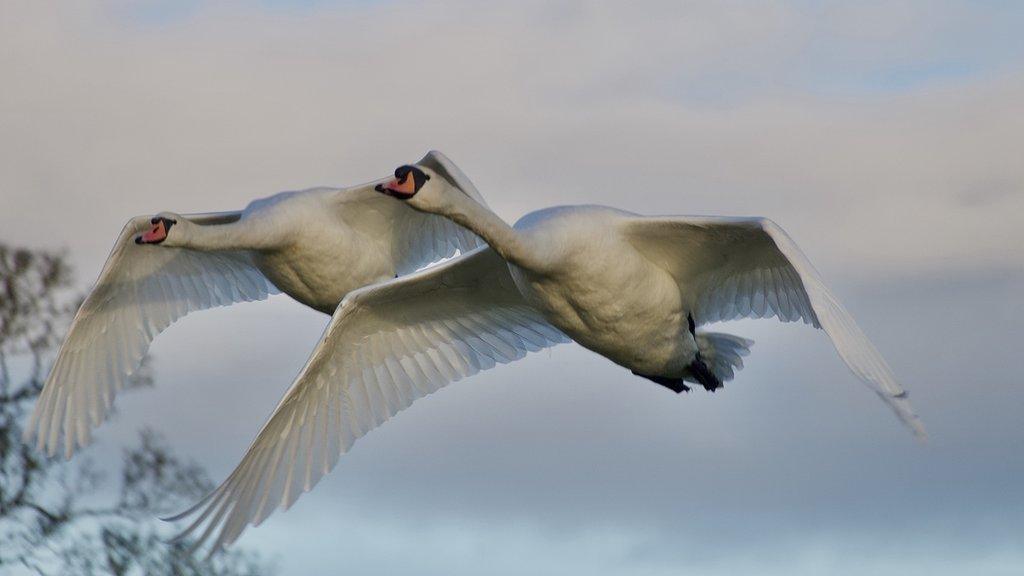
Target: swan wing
(386,346)
(731,268)
(139,293)
(417,238)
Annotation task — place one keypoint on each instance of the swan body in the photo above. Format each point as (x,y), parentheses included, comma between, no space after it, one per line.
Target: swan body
(306,248)
(314,245)
(598,290)
(632,288)
(318,248)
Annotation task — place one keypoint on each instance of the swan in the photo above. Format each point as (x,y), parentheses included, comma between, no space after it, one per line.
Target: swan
(631,288)
(314,245)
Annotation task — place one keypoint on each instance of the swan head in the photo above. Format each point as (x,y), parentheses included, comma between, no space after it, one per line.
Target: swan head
(408,182)
(161,233)
(419,186)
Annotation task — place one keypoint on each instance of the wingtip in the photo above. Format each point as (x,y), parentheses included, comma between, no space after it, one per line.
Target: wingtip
(901,406)
(181,515)
(920,433)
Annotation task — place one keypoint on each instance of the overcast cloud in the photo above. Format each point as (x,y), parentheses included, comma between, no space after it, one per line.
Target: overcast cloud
(885,137)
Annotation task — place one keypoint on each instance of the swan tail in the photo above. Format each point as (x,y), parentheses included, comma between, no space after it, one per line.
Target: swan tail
(722,354)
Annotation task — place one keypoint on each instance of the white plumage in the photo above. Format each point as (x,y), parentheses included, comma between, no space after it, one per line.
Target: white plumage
(623,285)
(385,347)
(315,245)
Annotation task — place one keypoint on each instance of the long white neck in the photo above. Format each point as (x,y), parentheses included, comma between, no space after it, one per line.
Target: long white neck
(504,239)
(240,235)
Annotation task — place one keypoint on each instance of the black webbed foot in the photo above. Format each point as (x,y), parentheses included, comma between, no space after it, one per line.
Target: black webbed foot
(704,376)
(674,384)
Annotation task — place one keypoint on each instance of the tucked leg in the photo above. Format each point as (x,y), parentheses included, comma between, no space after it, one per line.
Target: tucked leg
(703,375)
(674,384)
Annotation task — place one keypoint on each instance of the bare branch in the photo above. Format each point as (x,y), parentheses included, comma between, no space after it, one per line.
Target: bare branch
(45,524)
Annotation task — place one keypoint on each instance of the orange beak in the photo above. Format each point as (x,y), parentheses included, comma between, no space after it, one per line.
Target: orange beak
(403,188)
(156,235)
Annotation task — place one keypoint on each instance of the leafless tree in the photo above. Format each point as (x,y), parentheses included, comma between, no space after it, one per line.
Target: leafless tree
(50,521)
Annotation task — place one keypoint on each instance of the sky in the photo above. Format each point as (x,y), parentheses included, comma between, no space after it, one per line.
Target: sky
(885,137)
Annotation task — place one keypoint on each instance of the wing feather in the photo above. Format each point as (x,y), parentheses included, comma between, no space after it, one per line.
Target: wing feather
(140,292)
(417,238)
(731,268)
(386,346)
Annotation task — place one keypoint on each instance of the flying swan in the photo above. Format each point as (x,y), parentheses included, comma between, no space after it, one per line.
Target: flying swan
(631,288)
(314,245)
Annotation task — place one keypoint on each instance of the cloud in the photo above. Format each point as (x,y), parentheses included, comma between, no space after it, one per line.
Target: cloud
(883,137)
(572,103)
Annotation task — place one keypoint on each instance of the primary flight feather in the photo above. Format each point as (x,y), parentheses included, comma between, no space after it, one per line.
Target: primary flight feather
(632,288)
(315,245)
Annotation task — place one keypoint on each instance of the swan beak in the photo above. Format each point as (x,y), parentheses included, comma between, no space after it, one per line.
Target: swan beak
(158,233)
(402,188)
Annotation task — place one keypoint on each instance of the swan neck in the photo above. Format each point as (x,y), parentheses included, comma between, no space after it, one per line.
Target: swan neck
(470,214)
(234,236)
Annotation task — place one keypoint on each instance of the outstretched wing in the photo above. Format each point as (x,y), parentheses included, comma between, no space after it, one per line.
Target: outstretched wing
(417,239)
(443,237)
(730,268)
(386,346)
(140,292)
